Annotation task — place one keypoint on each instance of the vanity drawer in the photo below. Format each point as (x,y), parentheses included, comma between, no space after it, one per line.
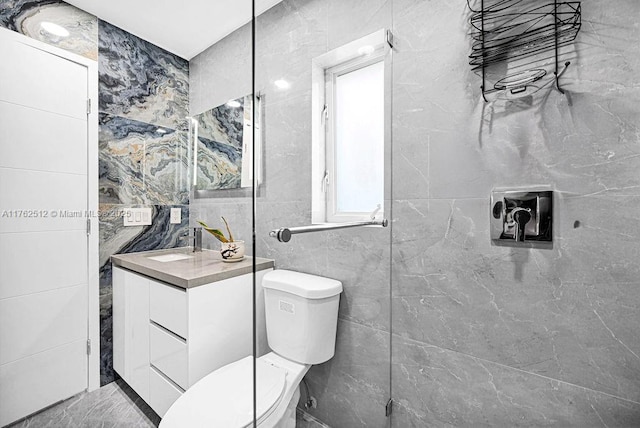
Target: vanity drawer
(168,307)
(162,393)
(169,354)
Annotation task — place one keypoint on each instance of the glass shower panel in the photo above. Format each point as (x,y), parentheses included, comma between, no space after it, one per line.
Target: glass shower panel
(295,43)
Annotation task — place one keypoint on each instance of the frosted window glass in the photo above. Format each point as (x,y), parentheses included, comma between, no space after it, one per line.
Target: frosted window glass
(359,139)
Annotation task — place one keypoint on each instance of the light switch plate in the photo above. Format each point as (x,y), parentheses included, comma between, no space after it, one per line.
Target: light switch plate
(176,216)
(137,216)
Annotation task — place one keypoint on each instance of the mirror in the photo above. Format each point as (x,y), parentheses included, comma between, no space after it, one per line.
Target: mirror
(222,144)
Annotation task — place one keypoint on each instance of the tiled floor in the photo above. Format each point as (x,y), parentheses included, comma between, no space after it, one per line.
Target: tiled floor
(113,406)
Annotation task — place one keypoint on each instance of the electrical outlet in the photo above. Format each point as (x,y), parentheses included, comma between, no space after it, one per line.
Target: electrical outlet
(176,216)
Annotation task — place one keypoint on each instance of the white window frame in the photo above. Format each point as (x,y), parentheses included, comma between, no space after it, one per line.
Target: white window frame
(326,69)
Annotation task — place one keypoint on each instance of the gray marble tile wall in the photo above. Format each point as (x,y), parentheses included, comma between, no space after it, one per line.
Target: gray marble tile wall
(143,154)
(502,336)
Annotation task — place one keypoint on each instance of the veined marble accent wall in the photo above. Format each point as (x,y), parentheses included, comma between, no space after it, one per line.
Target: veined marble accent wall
(144,154)
(481,335)
(141,81)
(141,163)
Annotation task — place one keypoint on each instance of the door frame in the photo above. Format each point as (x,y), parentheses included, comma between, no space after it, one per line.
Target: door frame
(93,280)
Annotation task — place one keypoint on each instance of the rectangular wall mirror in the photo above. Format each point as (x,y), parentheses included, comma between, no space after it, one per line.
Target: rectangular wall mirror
(222,148)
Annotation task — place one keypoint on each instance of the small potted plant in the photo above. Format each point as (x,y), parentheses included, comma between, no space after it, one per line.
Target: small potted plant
(231,250)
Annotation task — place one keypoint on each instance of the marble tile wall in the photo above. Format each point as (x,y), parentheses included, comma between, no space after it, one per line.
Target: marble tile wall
(143,156)
(480,335)
(141,163)
(141,81)
(221,73)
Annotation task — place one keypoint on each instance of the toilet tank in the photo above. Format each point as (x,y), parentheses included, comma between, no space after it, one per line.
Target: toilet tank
(301,315)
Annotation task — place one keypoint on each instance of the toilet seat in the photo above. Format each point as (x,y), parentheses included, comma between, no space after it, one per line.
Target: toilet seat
(224,398)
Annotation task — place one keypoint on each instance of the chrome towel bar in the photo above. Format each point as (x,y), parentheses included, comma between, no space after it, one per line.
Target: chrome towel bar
(284,233)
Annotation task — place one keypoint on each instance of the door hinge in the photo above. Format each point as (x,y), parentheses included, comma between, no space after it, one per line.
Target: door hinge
(88,105)
(390,38)
(88,226)
(88,346)
(324,116)
(388,408)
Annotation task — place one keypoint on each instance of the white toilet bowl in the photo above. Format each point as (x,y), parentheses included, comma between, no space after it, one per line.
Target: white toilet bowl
(224,398)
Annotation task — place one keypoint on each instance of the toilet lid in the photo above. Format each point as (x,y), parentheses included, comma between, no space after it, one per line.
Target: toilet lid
(224,398)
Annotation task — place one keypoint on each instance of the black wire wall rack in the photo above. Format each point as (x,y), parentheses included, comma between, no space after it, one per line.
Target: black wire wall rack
(505,30)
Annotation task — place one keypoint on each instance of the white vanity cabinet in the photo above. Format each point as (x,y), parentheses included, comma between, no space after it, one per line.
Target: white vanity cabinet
(166,338)
(131,330)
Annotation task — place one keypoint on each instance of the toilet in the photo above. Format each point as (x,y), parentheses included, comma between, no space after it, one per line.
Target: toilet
(301,312)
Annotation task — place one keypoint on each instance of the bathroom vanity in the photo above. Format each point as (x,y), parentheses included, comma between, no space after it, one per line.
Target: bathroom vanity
(178,315)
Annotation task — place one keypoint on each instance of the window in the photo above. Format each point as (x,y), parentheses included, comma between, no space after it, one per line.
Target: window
(351,133)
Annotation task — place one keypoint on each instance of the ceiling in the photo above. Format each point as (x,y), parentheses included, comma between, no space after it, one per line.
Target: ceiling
(184,28)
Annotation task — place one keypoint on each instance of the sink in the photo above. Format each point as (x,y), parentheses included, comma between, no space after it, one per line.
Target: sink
(170,257)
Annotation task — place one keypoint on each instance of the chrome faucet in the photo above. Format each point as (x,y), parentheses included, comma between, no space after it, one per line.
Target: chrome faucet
(196,238)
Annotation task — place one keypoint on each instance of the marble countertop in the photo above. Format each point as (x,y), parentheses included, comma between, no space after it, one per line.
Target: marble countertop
(202,268)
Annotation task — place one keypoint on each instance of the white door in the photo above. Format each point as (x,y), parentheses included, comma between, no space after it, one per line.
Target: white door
(43,236)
